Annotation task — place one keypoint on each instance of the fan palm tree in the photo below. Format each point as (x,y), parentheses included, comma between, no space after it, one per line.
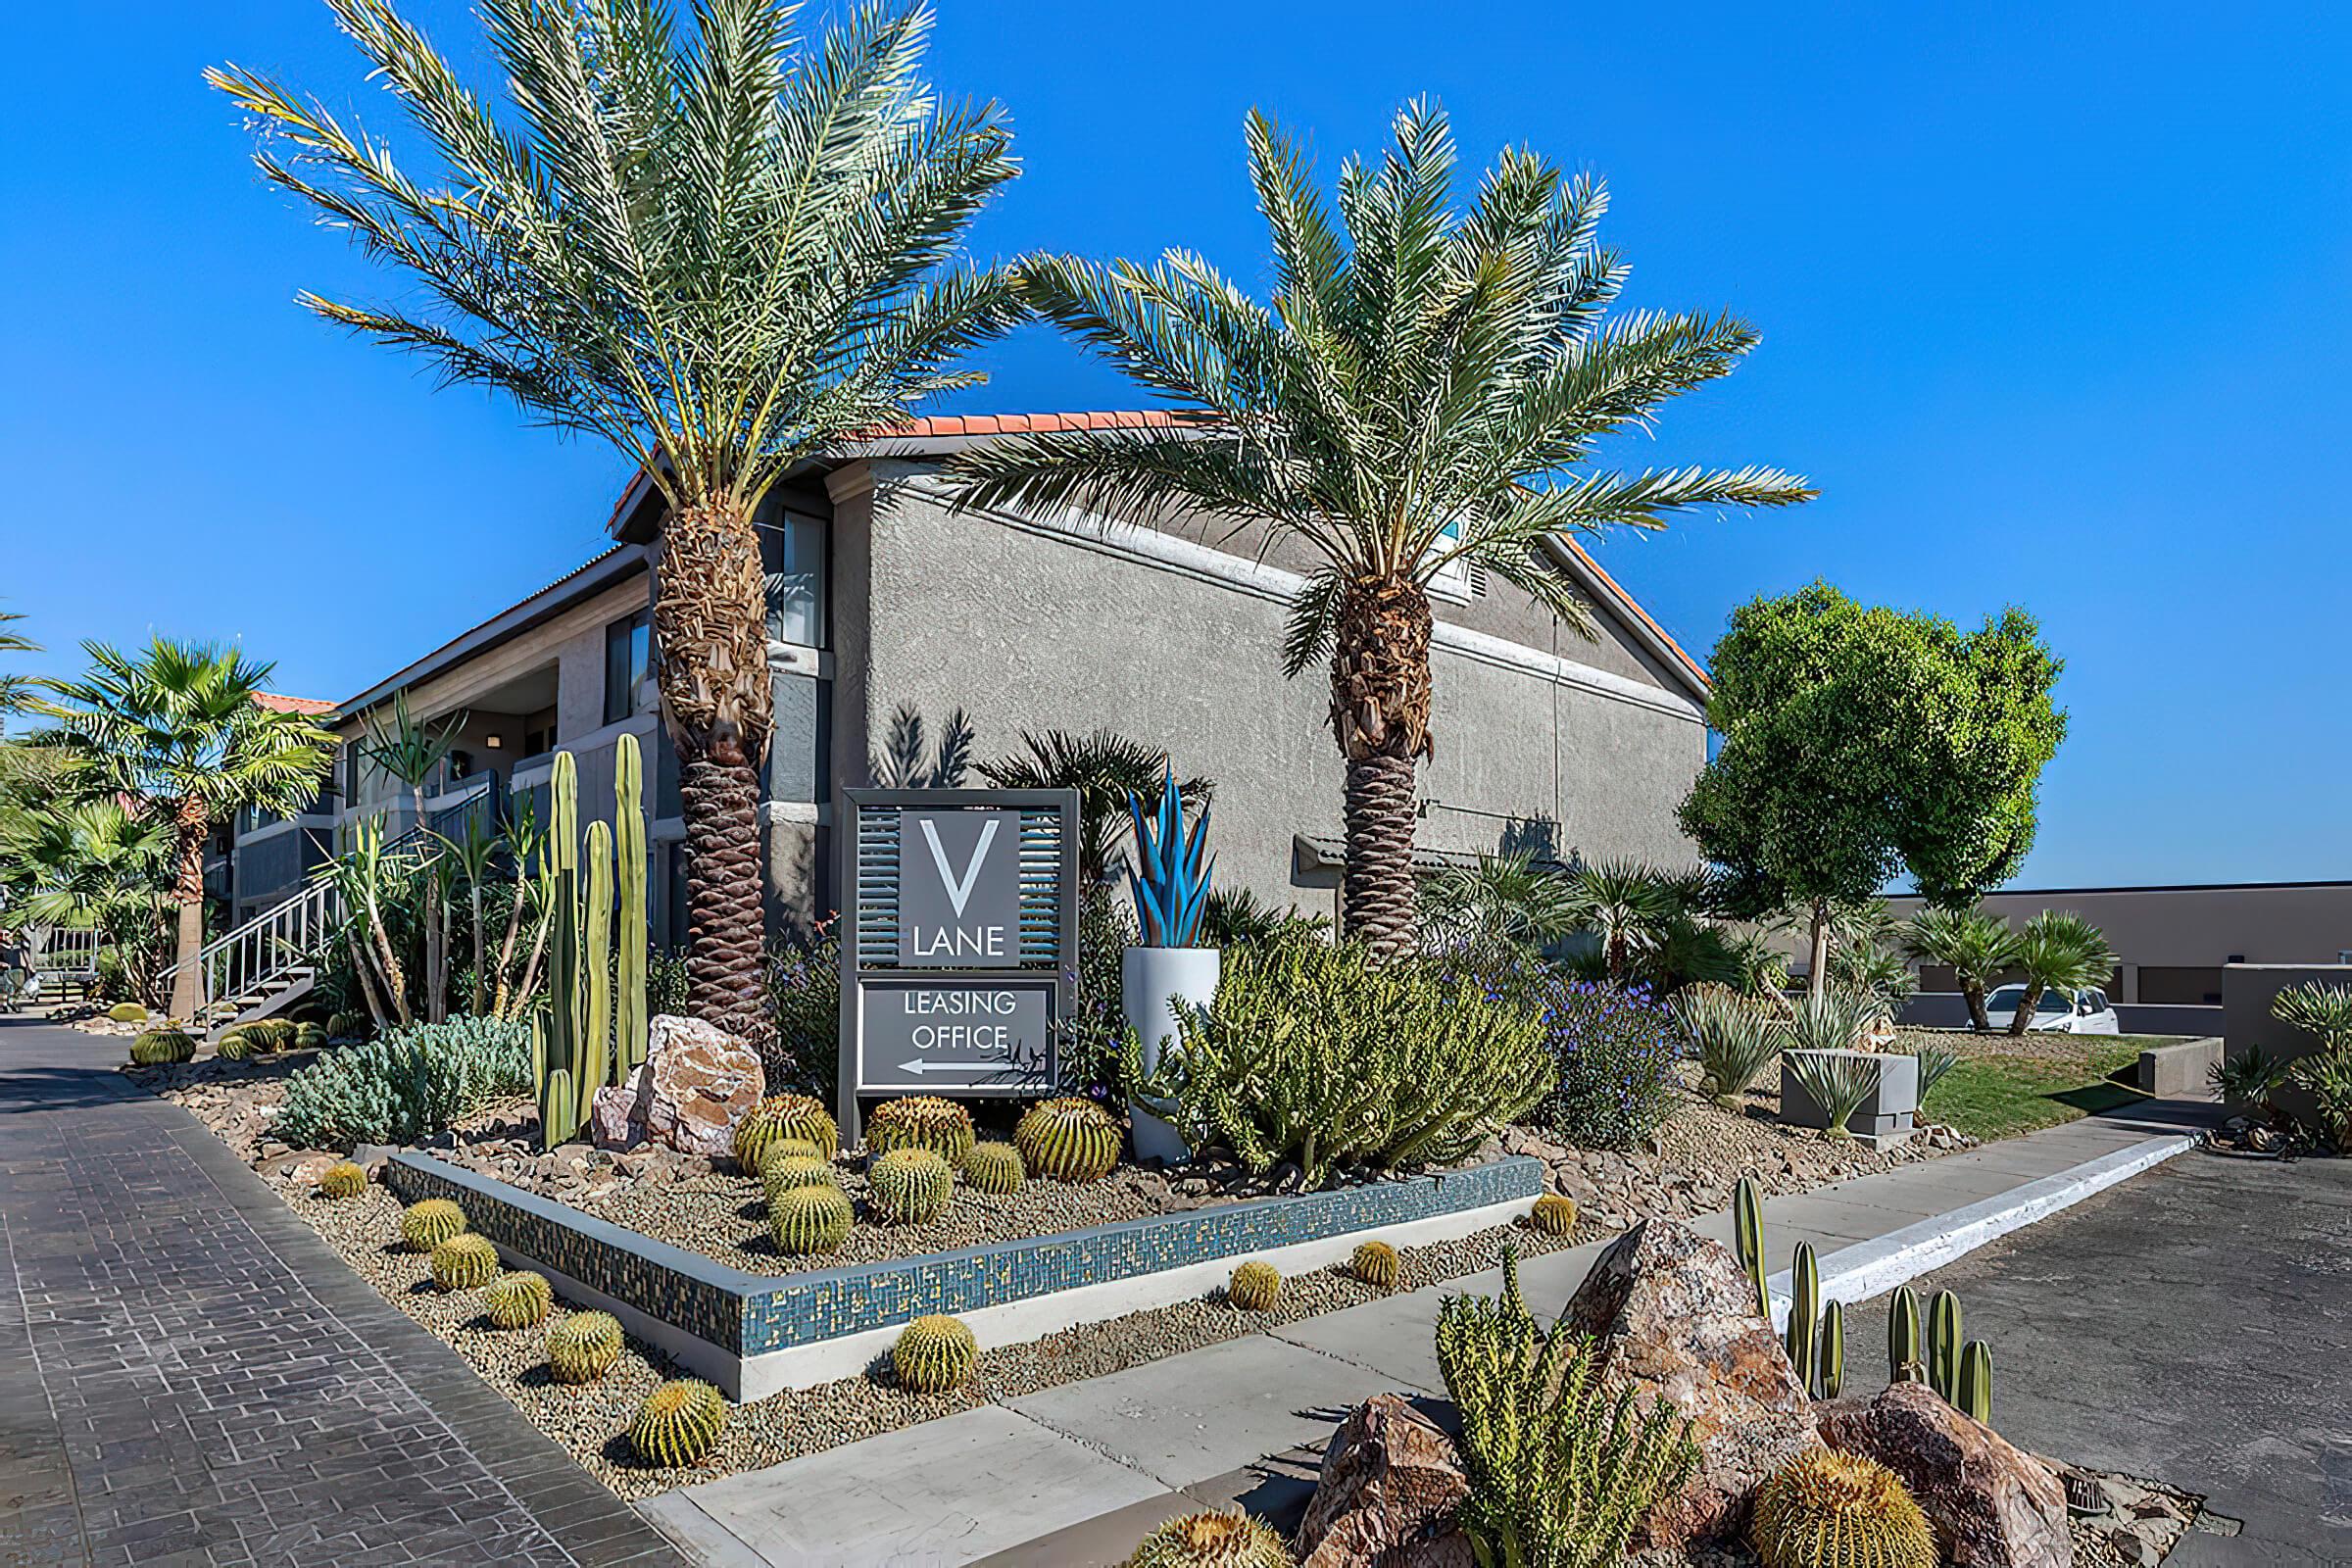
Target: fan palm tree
(709,247)
(1978,948)
(93,865)
(1105,768)
(1421,398)
(2058,952)
(1502,898)
(14,689)
(177,725)
(1623,903)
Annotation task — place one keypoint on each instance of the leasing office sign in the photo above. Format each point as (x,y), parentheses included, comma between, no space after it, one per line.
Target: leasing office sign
(960,919)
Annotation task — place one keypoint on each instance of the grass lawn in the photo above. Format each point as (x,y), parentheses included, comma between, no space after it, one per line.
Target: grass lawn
(2002,1087)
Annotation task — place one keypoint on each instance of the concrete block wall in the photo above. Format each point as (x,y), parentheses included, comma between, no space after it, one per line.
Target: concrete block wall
(2247,992)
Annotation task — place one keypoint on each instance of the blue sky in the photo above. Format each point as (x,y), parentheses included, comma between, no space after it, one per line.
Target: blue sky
(2054,302)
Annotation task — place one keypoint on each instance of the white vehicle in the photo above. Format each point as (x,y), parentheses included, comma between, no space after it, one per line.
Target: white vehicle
(2080,1013)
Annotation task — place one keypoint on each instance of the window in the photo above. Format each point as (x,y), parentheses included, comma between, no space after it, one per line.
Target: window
(791,553)
(1451,580)
(628,660)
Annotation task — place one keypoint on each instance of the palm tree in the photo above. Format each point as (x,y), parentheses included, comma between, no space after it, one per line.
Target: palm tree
(1978,948)
(1623,903)
(93,865)
(178,726)
(1415,402)
(14,689)
(1105,768)
(2058,952)
(698,241)
(1502,898)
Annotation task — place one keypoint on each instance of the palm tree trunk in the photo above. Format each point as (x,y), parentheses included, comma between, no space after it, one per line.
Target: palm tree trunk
(710,642)
(1380,699)
(190,829)
(1973,990)
(1819,976)
(2025,1008)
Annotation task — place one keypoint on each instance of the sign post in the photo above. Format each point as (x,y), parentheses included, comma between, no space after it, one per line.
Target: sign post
(958,942)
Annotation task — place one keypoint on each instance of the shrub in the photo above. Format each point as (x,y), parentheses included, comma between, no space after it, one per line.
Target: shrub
(1255,1287)
(1612,1051)
(921,1121)
(1733,1037)
(934,1353)
(679,1422)
(804,997)
(342,1179)
(1068,1139)
(1091,1037)
(582,1346)
(127,1012)
(1211,1540)
(406,1084)
(2328,1077)
(519,1300)
(1319,1055)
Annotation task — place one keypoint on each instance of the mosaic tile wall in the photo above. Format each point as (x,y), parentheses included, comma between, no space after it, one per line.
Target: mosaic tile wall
(753,1314)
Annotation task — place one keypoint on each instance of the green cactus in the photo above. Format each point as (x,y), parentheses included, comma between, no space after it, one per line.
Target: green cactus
(1375,1263)
(679,1422)
(809,1219)
(1211,1540)
(630,940)
(234,1047)
(425,1225)
(1068,1139)
(781,1174)
(995,1168)
(1839,1510)
(159,1046)
(583,1345)
(909,1186)
(345,1025)
(596,965)
(342,1179)
(1902,1332)
(934,1353)
(467,1262)
(518,1301)
(1803,1329)
(1255,1287)
(781,1117)
(1976,1383)
(1945,1345)
(1748,1225)
(1555,1214)
(1828,1370)
(593,1032)
(127,1012)
(921,1121)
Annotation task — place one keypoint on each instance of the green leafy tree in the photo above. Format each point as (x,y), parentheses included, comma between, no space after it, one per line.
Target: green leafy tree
(1978,948)
(1105,768)
(178,726)
(2058,952)
(92,866)
(1424,393)
(714,249)
(1860,741)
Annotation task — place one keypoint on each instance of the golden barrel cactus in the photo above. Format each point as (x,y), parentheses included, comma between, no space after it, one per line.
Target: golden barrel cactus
(934,1353)
(1068,1139)
(1375,1263)
(343,1179)
(679,1422)
(518,1301)
(1826,1510)
(995,1168)
(1555,1214)
(1214,1539)
(803,1220)
(921,1121)
(583,1345)
(909,1186)
(1255,1287)
(425,1225)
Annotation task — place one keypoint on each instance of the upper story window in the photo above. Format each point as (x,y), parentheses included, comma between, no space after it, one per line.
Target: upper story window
(1452,580)
(792,552)
(628,661)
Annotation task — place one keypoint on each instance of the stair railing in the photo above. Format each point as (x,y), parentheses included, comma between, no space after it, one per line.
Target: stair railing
(249,958)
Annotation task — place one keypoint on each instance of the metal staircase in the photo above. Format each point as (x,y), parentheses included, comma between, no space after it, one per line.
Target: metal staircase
(267,964)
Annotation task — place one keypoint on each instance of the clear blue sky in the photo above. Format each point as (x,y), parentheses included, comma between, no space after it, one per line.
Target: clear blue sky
(2056,304)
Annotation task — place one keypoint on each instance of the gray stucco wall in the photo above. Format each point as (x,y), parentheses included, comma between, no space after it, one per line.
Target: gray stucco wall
(2247,992)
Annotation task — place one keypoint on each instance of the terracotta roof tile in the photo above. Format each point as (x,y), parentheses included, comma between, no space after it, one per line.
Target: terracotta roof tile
(278,704)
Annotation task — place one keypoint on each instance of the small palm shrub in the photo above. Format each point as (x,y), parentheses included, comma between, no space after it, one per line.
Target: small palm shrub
(1255,1287)
(159,1046)
(2250,1079)
(1375,1263)
(781,1119)
(520,1299)
(465,1262)
(678,1423)
(994,1168)
(805,1220)
(427,1223)
(1826,1508)
(583,1345)
(1555,1214)
(343,1179)
(934,1353)
(2328,1077)
(1734,1037)
(1067,1139)
(909,1186)
(406,1084)
(127,1012)
(1213,1540)
(921,1121)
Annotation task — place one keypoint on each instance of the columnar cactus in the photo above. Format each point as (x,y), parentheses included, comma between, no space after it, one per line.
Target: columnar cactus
(804,1221)
(1068,1139)
(780,1117)
(909,1186)
(921,1121)
(425,1225)
(1804,1328)
(589,1035)
(1747,1226)
(1829,1368)
(1902,1337)
(1975,1382)
(679,1422)
(467,1262)
(1839,1510)
(343,1179)
(1944,1345)
(1555,1214)
(934,1353)
(583,1345)
(1255,1287)
(520,1299)
(1212,1540)
(630,940)
(159,1046)
(1375,1263)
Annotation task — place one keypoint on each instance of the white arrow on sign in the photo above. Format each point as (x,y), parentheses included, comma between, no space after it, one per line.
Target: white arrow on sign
(920,1067)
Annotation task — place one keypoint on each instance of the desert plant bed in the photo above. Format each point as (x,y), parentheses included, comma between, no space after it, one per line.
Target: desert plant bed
(2004,1085)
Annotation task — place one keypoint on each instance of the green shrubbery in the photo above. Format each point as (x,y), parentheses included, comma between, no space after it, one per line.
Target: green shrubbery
(803,998)
(407,1084)
(1612,1048)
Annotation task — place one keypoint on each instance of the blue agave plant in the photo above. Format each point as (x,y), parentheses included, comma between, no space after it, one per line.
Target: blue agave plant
(1170,879)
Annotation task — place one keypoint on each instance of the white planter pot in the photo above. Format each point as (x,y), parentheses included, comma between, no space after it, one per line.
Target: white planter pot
(1149,978)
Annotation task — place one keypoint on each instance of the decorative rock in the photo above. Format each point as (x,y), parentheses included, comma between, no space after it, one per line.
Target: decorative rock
(617,1112)
(697,1083)
(1993,1505)
(1674,1316)
(1390,1487)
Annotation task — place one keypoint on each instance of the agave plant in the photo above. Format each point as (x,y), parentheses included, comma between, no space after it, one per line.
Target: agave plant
(1733,1036)
(2323,1012)
(1837,1085)
(1933,1062)
(1170,876)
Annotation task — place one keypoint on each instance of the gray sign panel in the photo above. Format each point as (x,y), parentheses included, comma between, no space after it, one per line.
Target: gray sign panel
(945,1036)
(959,890)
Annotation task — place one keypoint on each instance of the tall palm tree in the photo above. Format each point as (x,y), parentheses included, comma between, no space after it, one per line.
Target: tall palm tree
(178,726)
(1420,398)
(2058,952)
(714,249)
(93,865)
(14,689)
(1105,768)
(1978,948)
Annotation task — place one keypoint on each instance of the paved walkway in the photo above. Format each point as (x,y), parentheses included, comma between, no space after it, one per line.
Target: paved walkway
(1075,1475)
(189,1375)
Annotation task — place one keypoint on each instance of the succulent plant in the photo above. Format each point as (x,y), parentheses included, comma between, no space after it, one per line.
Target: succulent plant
(343,1179)
(425,1225)
(467,1262)
(159,1046)
(1803,1329)
(1839,1510)
(345,1025)
(995,1168)
(1902,1332)
(784,1116)
(1555,1214)
(235,1047)
(1976,1383)
(797,1170)
(909,1186)
(934,1353)
(582,1346)
(1375,1263)
(1255,1287)
(809,1219)
(791,1148)
(921,1121)
(519,1300)
(309,1037)
(127,1012)
(678,1423)
(1213,1540)
(1828,1353)
(272,1034)
(1747,1235)
(1944,1345)
(1068,1139)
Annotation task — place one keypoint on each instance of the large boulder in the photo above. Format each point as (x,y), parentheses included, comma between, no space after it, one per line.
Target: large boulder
(1992,1504)
(1390,1487)
(697,1083)
(1674,1316)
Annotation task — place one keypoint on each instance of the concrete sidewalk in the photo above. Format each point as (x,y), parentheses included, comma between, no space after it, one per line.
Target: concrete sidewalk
(1076,1474)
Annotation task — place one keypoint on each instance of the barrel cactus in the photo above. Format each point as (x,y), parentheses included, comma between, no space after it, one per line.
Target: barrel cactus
(1828,1509)
(343,1179)
(678,1423)
(1213,1540)
(909,1186)
(1069,1141)
(127,1012)
(934,1353)
(809,1219)
(921,1121)
(158,1046)
(234,1047)
(345,1025)
(1555,1214)
(791,1148)
(583,1345)
(797,1170)
(309,1037)
(1255,1286)
(520,1299)
(425,1225)
(1375,1263)
(994,1168)
(465,1262)
(782,1117)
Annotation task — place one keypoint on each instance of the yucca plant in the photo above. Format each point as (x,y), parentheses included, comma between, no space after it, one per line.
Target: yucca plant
(715,249)
(1837,1085)
(1734,1037)
(1419,402)
(1978,948)
(2061,952)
